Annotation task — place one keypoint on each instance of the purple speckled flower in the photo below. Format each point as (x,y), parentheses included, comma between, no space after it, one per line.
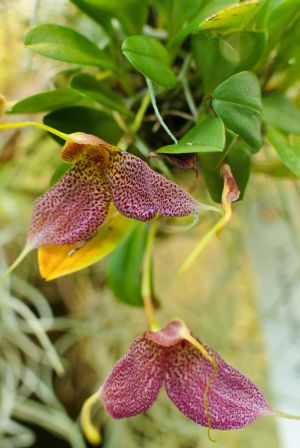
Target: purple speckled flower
(77,205)
(167,358)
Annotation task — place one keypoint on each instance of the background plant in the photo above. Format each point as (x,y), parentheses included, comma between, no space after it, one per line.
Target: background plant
(228,90)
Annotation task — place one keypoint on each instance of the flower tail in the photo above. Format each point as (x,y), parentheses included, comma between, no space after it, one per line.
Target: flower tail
(90,430)
(209,358)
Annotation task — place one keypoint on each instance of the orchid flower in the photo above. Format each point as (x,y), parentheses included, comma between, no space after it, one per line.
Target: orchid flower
(76,207)
(197,380)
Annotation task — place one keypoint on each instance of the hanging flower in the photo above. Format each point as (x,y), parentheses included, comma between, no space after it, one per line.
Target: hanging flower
(76,206)
(200,384)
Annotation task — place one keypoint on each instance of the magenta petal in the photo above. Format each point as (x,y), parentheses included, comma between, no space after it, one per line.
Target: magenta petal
(233,400)
(135,380)
(170,335)
(72,210)
(139,192)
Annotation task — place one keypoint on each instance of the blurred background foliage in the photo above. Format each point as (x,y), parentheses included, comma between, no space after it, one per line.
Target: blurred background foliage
(84,321)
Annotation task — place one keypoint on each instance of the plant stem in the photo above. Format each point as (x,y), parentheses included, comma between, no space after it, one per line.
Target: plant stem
(147,278)
(157,113)
(13,266)
(23,124)
(138,119)
(215,230)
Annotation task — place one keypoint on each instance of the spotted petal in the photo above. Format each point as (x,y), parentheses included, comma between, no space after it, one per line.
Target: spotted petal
(72,210)
(135,381)
(140,193)
(233,400)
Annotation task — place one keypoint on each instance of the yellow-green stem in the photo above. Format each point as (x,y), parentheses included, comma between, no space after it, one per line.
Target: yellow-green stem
(147,279)
(44,127)
(215,230)
(16,263)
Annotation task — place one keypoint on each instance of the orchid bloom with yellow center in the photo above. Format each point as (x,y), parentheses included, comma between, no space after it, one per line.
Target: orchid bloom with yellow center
(76,206)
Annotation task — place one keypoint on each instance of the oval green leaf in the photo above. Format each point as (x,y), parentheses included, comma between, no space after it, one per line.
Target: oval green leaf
(237,101)
(206,136)
(125,271)
(288,149)
(218,57)
(281,113)
(150,58)
(65,44)
(44,101)
(95,90)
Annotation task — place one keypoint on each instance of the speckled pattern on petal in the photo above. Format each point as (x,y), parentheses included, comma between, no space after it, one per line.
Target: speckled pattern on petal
(140,193)
(73,209)
(233,400)
(135,380)
(156,358)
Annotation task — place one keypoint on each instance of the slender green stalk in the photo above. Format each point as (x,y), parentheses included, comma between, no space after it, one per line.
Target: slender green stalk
(157,113)
(23,124)
(147,279)
(16,263)
(215,230)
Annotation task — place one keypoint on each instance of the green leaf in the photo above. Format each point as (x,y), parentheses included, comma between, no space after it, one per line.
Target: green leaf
(233,18)
(176,14)
(65,44)
(210,167)
(287,148)
(240,163)
(281,16)
(281,113)
(84,119)
(150,58)
(209,7)
(237,101)
(41,102)
(125,271)
(97,14)
(131,14)
(93,89)
(206,136)
(219,57)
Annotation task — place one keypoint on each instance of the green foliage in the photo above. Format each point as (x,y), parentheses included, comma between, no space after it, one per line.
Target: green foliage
(149,57)
(125,272)
(225,76)
(44,101)
(64,44)
(237,101)
(206,136)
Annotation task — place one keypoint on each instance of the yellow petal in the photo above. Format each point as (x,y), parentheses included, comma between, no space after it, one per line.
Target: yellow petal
(56,261)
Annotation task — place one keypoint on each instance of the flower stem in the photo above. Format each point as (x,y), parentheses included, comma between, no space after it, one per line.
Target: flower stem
(16,263)
(138,119)
(215,230)
(147,279)
(90,431)
(23,124)
(157,113)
